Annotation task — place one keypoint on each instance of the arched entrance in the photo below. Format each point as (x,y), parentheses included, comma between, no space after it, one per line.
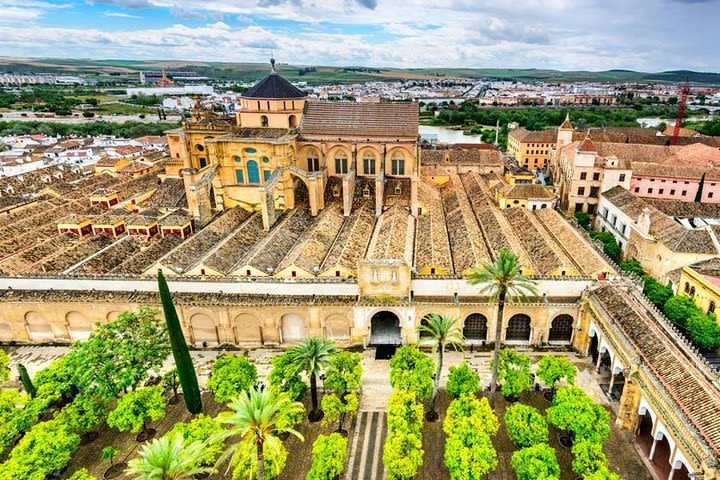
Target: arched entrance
(385,329)
(302,195)
(561,330)
(203,330)
(518,329)
(292,328)
(475,328)
(594,345)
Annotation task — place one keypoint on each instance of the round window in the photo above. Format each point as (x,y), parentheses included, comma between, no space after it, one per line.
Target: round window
(249,150)
(265,160)
(236,158)
(200,148)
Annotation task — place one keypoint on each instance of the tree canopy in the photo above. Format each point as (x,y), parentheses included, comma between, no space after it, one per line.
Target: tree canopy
(552,369)
(536,463)
(231,374)
(412,370)
(462,379)
(525,425)
(136,407)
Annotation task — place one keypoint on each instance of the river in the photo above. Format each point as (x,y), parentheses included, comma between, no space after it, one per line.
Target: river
(448,135)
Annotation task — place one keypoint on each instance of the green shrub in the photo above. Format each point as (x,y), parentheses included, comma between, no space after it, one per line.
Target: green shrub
(552,369)
(601,474)
(472,411)
(588,457)
(404,412)
(136,407)
(328,457)
(525,425)
(285,376)
(412,370)
(469,454)
(574,411)
(679,308)
(202,429)
(402,455)
(514,373)
(47,447)
(231,375)
(704,331)
(463,379)
(536,463)
(82,474)
(583,220)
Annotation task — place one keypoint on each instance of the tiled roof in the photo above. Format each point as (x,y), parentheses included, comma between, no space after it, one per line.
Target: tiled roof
(663,227)
(530,136)
(686,384)
(678,208)
(360,119)
(587,146)
(460,157)
(274,86)
(527,192)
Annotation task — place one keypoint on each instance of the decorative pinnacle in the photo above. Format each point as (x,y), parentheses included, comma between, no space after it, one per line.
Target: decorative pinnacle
(272,64)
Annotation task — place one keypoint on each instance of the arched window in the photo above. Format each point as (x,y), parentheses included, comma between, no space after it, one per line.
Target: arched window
(341,164)
(692,290)
(687,287)
(369,164)
(313,162)
(253,172)
(264,120)
(711,307)
(398,165)
(292,121)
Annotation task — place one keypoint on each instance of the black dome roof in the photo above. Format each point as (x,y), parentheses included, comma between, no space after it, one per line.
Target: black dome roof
(274,86)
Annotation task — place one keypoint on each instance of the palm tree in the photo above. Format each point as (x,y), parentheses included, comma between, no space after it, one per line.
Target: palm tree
(443,331)
(501,280)
(168,459)
(255,418)
(312,356)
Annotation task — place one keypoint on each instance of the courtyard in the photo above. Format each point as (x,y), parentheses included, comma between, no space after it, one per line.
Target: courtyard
(367,432)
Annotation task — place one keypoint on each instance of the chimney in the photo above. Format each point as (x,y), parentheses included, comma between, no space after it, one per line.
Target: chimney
(643,222)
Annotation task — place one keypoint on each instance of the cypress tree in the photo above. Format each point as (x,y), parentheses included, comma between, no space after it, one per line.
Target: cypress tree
(183,362)
(698,195)
(26,382)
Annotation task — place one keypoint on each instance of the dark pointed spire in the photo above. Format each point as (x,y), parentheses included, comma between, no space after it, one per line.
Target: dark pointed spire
(272,64)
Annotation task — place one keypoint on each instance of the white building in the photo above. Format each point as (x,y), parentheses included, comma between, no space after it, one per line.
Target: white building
(183,90)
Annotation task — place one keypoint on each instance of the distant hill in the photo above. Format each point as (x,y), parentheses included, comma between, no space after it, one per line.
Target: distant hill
(322,74)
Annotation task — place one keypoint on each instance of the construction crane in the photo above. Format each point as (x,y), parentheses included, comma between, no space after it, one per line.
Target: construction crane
(684,92)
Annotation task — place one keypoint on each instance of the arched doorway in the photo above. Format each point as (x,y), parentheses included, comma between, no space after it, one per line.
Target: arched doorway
(385,329)
(518,329)
(475,328)
(302,196)
(561,330)
(292,328)
(594,346)
(203,330)
(337,327)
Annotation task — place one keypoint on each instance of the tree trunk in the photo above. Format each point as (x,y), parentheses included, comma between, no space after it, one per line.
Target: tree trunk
(496,352)
(313,392)
(260,459)
(438,372)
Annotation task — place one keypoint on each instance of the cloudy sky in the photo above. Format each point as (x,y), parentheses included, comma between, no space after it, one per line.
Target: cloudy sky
(649,35)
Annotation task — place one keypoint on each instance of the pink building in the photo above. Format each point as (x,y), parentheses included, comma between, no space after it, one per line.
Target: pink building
(677,173)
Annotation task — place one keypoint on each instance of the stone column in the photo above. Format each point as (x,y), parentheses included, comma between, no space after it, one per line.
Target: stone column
(652,449)
(597,365)
(672,473)
(612,383)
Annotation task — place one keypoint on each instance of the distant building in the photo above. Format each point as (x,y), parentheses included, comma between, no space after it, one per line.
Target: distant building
(176,90)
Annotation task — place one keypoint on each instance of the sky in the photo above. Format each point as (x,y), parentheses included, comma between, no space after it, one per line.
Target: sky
(645,35)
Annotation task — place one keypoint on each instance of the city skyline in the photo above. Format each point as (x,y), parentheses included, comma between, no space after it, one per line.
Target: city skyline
(559,34)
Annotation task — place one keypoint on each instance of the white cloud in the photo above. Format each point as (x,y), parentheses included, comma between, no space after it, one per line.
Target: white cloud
(564,34)
(120,15)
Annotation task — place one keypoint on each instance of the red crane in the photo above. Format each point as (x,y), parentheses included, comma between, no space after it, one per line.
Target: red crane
(684,92)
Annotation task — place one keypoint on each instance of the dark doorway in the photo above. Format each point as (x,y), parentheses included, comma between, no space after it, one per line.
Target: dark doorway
(561,329)
(518,329)
(385,329)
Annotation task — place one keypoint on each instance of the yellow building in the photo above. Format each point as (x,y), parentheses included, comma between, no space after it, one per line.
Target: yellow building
(701,282)
(281,148)
(531,149)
